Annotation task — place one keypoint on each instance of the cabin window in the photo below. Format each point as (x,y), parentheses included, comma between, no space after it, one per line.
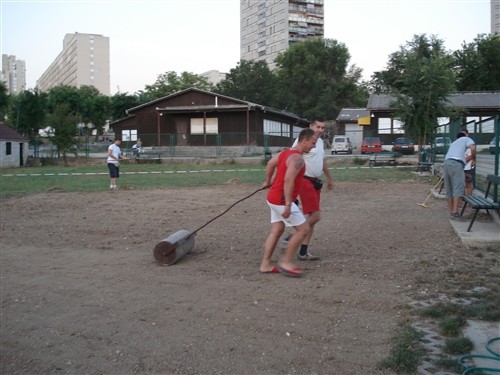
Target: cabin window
(211,126)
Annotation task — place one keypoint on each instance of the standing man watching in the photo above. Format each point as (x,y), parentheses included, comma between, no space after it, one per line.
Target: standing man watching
(454,176)
(284,188)
(114,156)
(310,191)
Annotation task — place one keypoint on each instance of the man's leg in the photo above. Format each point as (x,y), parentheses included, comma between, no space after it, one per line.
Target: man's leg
(299,234)
(277,229)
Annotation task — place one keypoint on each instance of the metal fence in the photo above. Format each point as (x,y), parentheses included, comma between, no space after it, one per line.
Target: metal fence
(486,135)
(223,145)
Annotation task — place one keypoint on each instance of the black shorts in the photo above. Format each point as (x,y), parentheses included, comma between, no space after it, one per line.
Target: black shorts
(114,171)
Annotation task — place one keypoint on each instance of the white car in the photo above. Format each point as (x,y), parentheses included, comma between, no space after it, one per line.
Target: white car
(341,143)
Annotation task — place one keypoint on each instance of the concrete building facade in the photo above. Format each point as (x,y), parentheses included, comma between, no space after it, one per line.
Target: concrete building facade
(13,74)
(84,61)
(495,17)
(269,27)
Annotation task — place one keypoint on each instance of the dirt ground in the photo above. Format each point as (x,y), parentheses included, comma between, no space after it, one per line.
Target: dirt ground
(82,293)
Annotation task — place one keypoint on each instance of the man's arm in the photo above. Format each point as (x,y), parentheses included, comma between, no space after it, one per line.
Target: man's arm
(326,171)
(294,164)
(270,167)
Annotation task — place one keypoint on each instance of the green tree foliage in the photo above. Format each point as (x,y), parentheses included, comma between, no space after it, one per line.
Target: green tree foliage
(170,82)
(421,78)
(94,108)
(27,112)
(63,121)
(252,81)
(90,108)
(315,81)
(4,100)
(477,64)
(120,102)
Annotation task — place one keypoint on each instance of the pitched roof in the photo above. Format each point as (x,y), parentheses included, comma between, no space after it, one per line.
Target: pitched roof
(352,114)
(9,134)
(476,100)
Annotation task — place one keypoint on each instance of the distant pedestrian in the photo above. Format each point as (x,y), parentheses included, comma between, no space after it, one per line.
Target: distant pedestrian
(453,167)
(114,157)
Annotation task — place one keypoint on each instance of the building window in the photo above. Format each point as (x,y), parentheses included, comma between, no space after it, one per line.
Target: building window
(8,148)
(211,126)
(129,135)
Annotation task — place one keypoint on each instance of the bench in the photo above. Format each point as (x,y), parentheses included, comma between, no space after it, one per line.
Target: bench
(480,203)
(382,157)
(426,163)
(148,157)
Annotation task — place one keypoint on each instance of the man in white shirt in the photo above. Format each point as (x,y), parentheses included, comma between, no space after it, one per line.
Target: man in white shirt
(114,156)
(310,191)
(453,167)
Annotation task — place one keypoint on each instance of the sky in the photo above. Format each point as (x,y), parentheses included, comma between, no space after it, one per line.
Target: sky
(151,37)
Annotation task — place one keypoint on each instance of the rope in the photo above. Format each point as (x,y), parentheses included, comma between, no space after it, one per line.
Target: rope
(234,204)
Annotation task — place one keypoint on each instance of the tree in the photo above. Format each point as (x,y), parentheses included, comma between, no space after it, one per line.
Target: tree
(169,83)
(315,81)
(477,64)
(94,108)
(120,102)
(252,81)
(27,112)
(63,120)
(4,100)
(421,79)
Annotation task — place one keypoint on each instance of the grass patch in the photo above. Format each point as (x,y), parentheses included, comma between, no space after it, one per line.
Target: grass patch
(93,178)
(452,365)
(452,326)
(458,345)
(406,351)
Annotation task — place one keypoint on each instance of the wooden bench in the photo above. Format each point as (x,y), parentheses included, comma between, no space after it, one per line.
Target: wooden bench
(426,165)
(480,203)
(382,158)
(148,157)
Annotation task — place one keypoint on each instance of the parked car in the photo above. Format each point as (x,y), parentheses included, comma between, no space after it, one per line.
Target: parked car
(493,145)
(371,144)
(341,143)
(403,146)
(440,145)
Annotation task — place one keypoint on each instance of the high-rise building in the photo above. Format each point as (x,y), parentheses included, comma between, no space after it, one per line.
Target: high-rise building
(13,74)
(84,61)
(214,76)
(495,17)
(269,27)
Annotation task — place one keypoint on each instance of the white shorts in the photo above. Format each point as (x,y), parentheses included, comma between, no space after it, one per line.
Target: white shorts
(296,217)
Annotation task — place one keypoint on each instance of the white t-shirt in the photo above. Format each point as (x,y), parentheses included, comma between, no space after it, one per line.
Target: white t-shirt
(116,152)
(314,159)
(468,165)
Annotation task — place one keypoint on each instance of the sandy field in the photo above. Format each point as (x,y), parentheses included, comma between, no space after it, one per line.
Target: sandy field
(81,292)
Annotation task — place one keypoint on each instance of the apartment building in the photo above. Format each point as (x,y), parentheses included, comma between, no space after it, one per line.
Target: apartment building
(269,27)
(495,17)
(13,74)
(84,60)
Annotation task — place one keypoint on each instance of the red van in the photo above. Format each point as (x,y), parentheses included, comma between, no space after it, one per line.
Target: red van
(371,144)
